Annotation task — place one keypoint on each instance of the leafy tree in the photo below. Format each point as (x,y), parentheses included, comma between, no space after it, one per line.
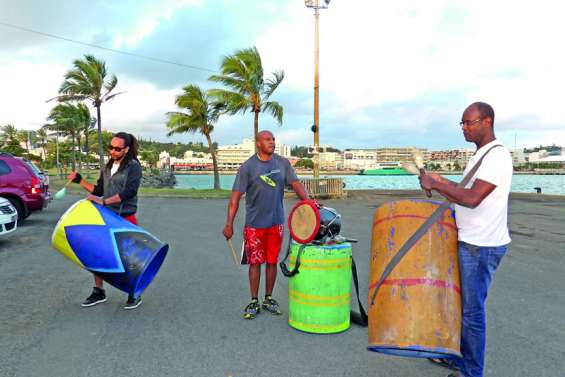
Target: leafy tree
(304,163)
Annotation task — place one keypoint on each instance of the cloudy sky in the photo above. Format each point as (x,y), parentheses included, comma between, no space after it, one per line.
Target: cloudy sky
(392,73)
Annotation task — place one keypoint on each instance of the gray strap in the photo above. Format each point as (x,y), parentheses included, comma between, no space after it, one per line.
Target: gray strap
(436,215)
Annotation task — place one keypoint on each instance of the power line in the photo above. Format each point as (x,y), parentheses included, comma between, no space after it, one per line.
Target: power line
(164,61)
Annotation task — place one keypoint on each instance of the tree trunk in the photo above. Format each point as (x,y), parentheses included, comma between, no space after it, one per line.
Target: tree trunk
(79,152)
(100,146)
(86,149)
(214,163)
(58,161)
(256,129)
(44,155)
(73,157)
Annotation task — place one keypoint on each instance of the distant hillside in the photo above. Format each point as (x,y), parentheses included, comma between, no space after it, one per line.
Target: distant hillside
(174,149)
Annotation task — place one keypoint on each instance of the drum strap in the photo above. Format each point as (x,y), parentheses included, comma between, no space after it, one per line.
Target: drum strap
(436,215)
(360,318)
(284,269)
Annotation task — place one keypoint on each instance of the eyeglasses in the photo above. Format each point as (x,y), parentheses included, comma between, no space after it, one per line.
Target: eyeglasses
(117,149)
(469,122)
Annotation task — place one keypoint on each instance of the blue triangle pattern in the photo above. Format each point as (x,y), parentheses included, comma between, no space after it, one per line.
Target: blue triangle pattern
(95,247)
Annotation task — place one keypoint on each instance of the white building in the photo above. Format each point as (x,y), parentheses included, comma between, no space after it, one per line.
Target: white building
(448,159)
(358,159)
(232,156)
(164,160)
(282,150)
(331,161)
(518,157)
(537,156)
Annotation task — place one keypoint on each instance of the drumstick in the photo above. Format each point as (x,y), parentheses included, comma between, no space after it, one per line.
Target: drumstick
(418,158)
(233,251)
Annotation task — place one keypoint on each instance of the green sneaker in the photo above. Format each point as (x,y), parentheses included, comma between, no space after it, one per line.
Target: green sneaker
(252,309)
(271,305)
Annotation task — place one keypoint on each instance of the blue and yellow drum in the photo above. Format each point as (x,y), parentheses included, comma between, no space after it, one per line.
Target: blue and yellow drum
(100,241)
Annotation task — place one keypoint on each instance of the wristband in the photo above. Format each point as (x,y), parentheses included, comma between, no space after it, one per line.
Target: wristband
(77,178)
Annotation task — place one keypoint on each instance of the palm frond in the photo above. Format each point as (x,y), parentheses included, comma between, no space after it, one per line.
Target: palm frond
(273,83)
(275,109)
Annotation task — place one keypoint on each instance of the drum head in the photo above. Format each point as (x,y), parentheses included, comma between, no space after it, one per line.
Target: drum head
(304,221)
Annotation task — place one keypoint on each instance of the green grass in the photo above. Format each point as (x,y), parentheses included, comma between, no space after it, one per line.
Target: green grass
(185,193)
(56,184)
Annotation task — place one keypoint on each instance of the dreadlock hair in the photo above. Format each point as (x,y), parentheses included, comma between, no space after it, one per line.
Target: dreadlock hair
(129,141)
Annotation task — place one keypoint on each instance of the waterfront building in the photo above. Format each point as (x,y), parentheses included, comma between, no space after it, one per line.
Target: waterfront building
(230,157)
(448,159)
(359,159)
(331,161)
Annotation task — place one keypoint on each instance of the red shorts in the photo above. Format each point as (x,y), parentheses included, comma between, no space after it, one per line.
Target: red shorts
(131,218)
(262,244)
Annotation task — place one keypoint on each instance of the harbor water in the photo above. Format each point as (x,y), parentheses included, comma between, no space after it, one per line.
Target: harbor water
(549,184)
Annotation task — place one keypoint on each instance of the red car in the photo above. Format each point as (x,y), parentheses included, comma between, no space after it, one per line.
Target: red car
(21,186)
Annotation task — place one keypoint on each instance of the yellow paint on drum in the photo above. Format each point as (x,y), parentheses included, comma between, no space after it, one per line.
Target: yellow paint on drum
(417,311)
(81,213)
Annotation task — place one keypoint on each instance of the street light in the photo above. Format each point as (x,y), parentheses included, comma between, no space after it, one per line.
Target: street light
(316,5)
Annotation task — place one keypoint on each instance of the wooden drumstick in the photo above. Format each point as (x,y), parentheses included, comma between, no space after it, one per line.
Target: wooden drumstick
(233,251)
(418,158)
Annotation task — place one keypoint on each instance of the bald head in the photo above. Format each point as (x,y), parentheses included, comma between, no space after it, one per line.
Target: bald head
(264,133)
(265,142)
(484,109)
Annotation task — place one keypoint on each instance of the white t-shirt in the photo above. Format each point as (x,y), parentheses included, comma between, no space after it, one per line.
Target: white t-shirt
(487,224)
(114,169)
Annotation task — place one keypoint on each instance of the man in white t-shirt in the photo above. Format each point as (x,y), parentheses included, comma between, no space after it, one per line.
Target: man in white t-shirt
(481,212)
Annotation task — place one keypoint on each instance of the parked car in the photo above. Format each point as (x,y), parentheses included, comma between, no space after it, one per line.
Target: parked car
(8,217)
(41,174)
(21,186)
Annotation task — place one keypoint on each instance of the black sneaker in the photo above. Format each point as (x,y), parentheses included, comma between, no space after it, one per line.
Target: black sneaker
(97,296)
(132,302)
(271,305)
(252,309)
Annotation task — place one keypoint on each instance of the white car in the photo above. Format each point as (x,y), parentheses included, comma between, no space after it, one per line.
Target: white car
(8,217)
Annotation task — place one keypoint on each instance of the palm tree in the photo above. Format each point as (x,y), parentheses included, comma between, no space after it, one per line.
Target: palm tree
(89,80)
(84,122)
(23,137)
(87,130)
(67,120)
(200,116)
(42,137)
(10,142)
(9,133)
(243,73)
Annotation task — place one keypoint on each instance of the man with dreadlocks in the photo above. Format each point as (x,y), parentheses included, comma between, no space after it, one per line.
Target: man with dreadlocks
(116,189)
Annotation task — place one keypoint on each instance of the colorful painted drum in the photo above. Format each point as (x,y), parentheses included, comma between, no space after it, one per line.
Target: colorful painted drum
(320,294)
(417,310)
(100,241)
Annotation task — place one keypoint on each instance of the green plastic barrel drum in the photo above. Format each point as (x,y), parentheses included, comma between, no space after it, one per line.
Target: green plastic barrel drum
(320,294)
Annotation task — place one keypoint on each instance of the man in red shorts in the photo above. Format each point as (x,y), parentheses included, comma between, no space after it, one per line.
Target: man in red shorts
(262,178)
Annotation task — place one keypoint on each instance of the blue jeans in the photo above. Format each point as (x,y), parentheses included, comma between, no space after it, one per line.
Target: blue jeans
(477,266)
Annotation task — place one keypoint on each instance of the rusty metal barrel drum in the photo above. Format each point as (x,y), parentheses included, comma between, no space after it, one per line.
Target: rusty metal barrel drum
(417,308)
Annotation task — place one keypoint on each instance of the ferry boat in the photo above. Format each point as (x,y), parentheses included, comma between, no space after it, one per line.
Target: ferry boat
(385,168)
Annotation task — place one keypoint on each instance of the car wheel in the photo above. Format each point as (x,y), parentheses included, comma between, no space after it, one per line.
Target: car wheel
(19,209)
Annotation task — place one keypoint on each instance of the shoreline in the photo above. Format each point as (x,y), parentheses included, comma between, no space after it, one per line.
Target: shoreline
(353,173)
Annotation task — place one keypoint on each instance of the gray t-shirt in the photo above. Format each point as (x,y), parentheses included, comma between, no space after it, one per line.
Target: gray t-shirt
(263,183)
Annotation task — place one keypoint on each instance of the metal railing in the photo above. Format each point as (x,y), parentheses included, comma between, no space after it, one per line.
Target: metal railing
(324,187)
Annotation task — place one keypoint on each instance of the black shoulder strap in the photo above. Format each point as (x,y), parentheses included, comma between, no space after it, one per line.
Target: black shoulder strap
(284,269)
(436,215)
(360,318)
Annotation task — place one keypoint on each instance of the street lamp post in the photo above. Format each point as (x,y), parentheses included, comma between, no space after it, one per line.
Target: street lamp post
(315,4)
